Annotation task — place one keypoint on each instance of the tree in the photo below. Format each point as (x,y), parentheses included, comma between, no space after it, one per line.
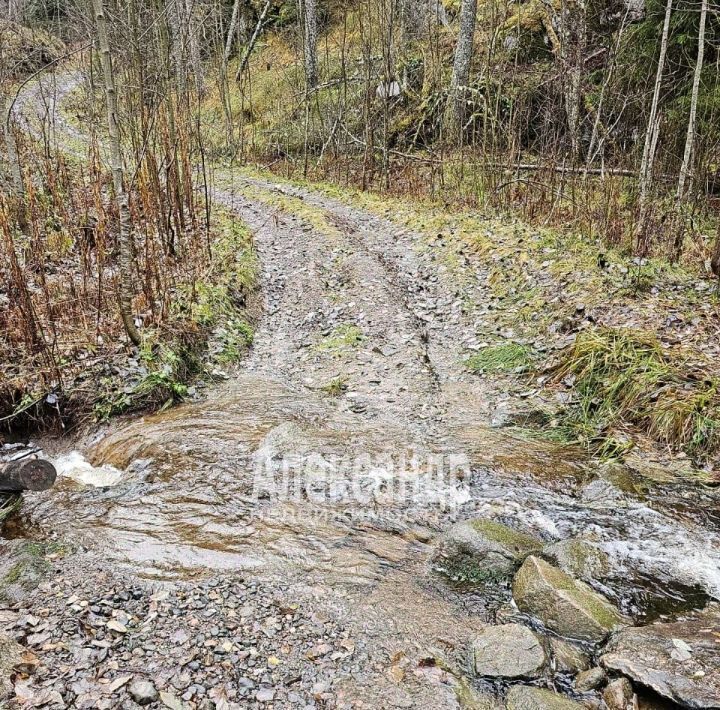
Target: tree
(231,31)
(461,64)
(308,15)
(692,119)
(653,129)
(116,162)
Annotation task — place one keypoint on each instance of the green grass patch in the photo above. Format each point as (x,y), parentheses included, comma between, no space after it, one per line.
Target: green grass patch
(507,357)
(341,338)
(336,386)
(624,380)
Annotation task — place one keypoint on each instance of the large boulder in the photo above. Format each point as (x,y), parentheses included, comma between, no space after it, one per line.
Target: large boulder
(523,697)
(564,605)
(679,661)
(508,651)
(482,550)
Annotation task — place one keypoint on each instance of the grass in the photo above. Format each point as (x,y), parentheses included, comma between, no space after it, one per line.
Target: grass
(314,217)
(625,380)
(341,338)
(336,386)
(507,357)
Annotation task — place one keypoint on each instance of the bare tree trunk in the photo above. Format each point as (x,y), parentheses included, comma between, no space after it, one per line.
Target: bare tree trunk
(231,31)
(15,169)
(253,40)
(191,32)
(595,139)
(116,162)
(692,120)
(573,37)
(414,19)
(653,128)
(461,65)
(308,14)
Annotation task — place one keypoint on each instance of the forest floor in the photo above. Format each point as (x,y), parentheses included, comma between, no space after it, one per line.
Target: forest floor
(387,327)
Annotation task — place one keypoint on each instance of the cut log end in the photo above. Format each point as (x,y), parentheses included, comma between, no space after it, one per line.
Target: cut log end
(27,475)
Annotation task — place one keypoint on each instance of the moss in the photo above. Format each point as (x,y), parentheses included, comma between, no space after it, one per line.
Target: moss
(506,536)
(30,566)
(467,572)
(601,610)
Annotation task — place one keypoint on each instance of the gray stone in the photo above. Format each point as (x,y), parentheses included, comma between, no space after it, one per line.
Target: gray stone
(568,657)
(590,680)
(580,559)
(619,695)
(12,656)
(563,604)
(479,550)
(142,691)
(679,661)
(469,698)
(523,697)
(508,651)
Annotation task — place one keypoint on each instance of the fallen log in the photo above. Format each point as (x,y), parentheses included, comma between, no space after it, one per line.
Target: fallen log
(27,475)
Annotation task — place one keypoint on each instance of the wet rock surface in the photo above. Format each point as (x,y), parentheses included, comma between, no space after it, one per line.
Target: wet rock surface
(523,697)
(580,559)
(563,604)
(679,661)
(508,651)
(482,550)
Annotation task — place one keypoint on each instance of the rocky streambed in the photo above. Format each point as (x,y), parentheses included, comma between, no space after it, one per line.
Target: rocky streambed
(557,627)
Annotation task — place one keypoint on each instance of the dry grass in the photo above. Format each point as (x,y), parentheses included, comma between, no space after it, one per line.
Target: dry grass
(624,379)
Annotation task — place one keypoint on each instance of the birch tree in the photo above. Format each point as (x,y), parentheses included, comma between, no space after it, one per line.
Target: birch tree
(692,120)
(116,163)
(232,28)
(461,64)
(308,16)
(653,128)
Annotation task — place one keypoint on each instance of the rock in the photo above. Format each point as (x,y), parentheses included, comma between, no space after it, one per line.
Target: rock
(265,695)
(579,558)
(508,651)
(470,698)
(563,604)
(590,680)
(656,656)
(12,655)
(142,691)
(619,695)
(524,697)
(568,657)
(171,701)
(482,550)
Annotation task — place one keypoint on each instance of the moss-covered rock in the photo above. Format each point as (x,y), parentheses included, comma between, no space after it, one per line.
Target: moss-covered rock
(483,550)
(563,604)
(579,558)
(523,697)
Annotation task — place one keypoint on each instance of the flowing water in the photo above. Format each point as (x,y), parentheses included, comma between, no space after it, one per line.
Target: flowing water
(271,476)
